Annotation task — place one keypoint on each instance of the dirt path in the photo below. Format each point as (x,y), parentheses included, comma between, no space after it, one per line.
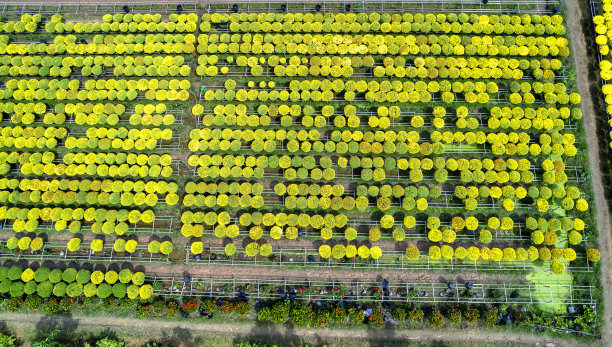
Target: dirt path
(579,23)
(183,333)
(205,270)
(245,272)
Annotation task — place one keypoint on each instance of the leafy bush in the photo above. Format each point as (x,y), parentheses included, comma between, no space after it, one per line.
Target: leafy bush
(69,275)
(41,274)
(55,276)
(119,290)
(59,289)
(74,289)
(7,340)
(104,290)
(14,273)
(44,289)
(125,276)
(83,276)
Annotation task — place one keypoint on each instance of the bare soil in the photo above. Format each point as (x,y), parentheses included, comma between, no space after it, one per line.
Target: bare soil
(184,333)
(319,274)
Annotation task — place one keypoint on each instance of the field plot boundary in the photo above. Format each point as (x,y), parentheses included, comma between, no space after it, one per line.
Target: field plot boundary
(441,6)
(275,171)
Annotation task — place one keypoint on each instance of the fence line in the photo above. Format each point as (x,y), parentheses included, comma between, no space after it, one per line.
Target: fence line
(168,222)
(305,289)
(55,251)
(150,6)
(309,257)
(441,6)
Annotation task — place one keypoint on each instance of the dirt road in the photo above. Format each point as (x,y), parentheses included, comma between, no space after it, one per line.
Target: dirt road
(207,334)
(579,23)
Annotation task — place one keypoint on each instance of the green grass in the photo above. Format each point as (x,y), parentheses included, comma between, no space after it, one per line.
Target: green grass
(542,296)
